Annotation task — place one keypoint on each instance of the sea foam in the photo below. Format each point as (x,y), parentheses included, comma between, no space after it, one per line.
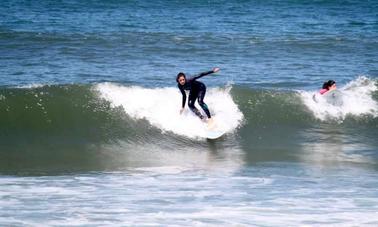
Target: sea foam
(161,108)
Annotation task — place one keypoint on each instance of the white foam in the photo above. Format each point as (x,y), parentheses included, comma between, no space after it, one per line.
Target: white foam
(161,107)
(31,86)
(357,100)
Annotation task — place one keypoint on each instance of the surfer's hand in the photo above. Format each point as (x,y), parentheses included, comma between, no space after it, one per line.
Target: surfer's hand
(182,110)
(216,69)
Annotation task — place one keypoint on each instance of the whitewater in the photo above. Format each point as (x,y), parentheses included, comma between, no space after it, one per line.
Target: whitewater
(356,100)
(161,106)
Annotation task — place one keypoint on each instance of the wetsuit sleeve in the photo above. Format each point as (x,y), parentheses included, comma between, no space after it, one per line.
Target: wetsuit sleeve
(195,77)
(183,96)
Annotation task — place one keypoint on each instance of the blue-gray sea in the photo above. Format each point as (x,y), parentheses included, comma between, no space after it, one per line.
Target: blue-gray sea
(91,134)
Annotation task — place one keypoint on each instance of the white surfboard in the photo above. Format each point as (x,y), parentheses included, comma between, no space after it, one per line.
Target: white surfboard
(334,97)
(214,131)
(214,134)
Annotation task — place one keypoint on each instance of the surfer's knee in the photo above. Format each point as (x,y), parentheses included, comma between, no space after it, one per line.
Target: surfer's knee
(191,104)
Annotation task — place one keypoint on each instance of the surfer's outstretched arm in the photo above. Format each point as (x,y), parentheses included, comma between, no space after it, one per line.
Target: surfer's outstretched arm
(183,98)
(205,73)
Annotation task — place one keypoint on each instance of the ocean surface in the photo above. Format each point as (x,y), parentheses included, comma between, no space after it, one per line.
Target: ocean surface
(91,135)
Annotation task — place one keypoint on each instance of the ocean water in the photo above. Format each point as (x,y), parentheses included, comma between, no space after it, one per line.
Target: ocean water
(90,131)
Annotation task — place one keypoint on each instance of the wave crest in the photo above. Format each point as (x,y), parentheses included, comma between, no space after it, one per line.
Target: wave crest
(161,106)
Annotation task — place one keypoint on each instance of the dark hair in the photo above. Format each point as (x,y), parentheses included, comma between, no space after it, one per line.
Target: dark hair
(325,85)
(180,74)
(328,84)
(331,82)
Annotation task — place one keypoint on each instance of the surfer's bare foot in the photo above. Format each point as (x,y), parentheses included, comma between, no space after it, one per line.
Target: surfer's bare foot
(210,123)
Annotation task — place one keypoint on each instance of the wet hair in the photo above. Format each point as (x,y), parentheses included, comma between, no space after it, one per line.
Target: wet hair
(180,74)
(328,84)
(325,85)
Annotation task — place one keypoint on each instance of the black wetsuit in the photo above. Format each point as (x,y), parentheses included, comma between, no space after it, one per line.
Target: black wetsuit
(197,91)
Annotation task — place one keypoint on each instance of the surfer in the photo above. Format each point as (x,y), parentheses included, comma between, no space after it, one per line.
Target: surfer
(197,91)
(328,86)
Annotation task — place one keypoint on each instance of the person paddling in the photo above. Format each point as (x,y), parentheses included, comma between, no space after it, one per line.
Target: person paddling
(197,91)
(328,86)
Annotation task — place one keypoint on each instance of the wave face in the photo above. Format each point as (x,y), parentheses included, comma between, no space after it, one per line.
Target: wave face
(110,126)
(53,127)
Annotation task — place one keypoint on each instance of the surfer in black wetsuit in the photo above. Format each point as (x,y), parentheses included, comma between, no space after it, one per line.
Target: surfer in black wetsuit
(197,90)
